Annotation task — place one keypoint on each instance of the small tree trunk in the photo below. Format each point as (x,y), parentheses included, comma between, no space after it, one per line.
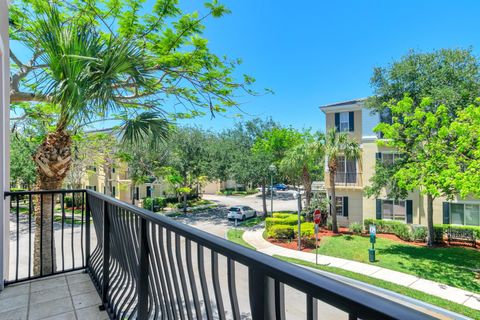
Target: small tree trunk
(185,202)
(333,203)
(264,200)
(307,182)
(431,233)
(53,159)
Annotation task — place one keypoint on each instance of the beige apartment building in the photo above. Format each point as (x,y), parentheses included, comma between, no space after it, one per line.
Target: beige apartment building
(353,175)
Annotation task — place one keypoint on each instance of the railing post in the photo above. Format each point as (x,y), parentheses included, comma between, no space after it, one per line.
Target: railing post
(143,270)
(106,255)
(262,294)
(87,230)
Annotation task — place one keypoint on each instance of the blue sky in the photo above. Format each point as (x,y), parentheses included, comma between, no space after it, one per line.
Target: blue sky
(317,52)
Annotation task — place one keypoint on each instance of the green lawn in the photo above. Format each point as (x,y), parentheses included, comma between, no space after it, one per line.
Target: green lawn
(455,266)
(446,304)
(235,235)
(250,222)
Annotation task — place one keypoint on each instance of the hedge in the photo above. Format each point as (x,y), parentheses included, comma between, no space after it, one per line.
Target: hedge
(282,215)
(291,220)
(307,229)
(158,203)
(416,233)
(281,231)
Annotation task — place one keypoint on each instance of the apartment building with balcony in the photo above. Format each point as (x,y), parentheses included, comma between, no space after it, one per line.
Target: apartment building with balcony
(354,174)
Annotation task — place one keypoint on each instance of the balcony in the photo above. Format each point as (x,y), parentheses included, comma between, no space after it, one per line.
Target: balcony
(346,180)
(147,266)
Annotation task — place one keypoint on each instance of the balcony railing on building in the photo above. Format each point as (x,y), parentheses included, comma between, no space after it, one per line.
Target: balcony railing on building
(147,266)
(346,179)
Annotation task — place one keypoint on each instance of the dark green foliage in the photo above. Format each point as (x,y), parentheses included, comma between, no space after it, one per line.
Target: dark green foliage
(281,231)
(355,228)
(158,203)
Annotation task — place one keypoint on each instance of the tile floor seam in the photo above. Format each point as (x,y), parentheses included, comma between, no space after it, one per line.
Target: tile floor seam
(71,299)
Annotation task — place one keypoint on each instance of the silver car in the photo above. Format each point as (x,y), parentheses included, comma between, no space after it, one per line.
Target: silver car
(241,212)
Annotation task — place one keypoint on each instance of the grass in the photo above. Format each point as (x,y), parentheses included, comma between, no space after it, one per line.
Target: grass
(235,235)
(454,266)
(412,293)
(250,222)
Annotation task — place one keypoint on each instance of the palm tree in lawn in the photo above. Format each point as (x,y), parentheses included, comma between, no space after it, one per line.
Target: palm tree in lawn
(337,144)
(302,161)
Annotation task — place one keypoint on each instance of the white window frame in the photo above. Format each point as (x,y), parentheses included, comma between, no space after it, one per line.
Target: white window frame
(395,156)
(464,215)
(394,215)
(344,122)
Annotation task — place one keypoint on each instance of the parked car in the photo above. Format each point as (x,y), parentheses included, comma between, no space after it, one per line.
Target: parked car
(241,213)
(280,187)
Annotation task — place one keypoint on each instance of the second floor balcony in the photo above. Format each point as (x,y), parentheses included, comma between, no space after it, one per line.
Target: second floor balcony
(147,266)
(345,180)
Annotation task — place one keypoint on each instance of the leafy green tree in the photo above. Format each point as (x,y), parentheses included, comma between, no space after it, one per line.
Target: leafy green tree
(189,157)
(303,161)
(23,172)
(435,157)
(448,76)
(107,61)
(337,144)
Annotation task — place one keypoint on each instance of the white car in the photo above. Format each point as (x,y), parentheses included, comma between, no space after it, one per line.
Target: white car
(241,212)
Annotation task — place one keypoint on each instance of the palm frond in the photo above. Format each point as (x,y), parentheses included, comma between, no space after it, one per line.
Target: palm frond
(147,127)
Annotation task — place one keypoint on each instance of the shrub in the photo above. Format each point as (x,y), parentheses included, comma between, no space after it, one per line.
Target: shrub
(290,220)
(402,231)
(307,229)
(281,215)
(329,225)
(398,228)
(419,233)
(158,203)
(281,231)
(68,201)
(355,228)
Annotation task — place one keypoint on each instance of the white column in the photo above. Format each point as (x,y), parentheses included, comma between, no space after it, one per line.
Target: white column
(4,140)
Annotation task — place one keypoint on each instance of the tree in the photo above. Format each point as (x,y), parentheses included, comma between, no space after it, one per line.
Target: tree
(302,161)
(337,144)
(435,157)
(92,63)
(189,157)
(448,76)
(22,168)
(450,80)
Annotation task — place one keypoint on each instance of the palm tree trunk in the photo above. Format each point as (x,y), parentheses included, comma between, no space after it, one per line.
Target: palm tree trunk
(431,233)
(53,159)
(333,203)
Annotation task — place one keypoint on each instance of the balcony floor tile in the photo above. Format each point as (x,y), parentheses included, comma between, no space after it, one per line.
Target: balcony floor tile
(70,296)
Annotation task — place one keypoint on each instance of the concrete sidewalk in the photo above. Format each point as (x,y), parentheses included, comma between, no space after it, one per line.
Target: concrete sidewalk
(466,298)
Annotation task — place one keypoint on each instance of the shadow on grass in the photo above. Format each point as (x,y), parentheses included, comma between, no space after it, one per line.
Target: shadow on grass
(452,266)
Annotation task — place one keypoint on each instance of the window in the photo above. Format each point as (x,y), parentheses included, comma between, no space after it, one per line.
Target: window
(339,206)
(385,117)
(344,122)
(149,191)
(393,210)
(346,170)
(465,214)
(388,158)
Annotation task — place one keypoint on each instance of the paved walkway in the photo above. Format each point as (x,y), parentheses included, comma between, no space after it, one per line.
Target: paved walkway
(466,298)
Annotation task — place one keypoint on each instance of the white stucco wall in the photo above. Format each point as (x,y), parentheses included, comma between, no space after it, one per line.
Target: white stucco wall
(4,138)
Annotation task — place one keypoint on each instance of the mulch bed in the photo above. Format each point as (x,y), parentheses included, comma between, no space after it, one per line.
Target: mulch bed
(293,244)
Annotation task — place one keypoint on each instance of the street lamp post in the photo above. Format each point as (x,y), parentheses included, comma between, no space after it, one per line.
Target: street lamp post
(272,169)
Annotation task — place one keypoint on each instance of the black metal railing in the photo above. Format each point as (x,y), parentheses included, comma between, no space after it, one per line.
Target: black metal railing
(48,233)
(347,178)
(147,266)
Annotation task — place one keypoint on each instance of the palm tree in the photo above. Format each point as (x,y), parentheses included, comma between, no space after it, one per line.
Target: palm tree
(338,144)
(81,85)
(302,160)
